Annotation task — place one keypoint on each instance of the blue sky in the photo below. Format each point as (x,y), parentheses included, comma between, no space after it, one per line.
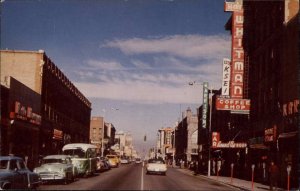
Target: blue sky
(137,56)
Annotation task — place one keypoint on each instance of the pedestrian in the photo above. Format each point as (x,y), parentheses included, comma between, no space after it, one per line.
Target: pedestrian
(196,168)
(274,173)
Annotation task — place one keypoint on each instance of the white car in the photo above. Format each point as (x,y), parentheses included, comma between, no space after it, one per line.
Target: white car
(57,167)
(124,161)
(138,160)
(156,166)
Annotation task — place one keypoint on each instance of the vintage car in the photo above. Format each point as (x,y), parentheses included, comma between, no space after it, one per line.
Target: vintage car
(138,160)
(102,164)
(113,160)
(156,166)
(15,175)
(124,160)
(57,168)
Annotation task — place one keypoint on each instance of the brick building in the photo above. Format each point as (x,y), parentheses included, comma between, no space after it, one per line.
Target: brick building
(271,42)
(65,112)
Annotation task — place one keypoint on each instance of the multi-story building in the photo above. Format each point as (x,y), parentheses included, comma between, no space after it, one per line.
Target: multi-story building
(165,142)
(109,135)
(123,144)
(96,132)
(102,133)
(271,42)
(186,136)
(65,112)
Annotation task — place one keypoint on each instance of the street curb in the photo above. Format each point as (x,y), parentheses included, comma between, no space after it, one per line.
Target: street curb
(191,173)
(185,171)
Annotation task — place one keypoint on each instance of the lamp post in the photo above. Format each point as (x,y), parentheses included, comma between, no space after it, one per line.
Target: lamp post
(206,90)
(103,130)
(209,132)
(174,144)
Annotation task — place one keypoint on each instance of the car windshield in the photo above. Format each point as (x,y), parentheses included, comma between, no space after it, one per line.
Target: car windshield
(75,153)
(53,160)
(156,161)
(3,164)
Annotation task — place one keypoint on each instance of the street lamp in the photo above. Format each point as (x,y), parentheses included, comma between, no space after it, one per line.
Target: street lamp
(103,127)
(174,146)
(210,92)
(209,131)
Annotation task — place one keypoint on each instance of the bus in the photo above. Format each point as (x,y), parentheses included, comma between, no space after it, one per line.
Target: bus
(84,157)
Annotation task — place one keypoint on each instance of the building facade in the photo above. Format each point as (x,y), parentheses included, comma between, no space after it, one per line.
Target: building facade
(21,121)
(271,46)
(124,144)
(64,111)
(186,136)
(96,132)
(165,143)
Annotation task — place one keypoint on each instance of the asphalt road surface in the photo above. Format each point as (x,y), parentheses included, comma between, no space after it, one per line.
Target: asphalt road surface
(133,177)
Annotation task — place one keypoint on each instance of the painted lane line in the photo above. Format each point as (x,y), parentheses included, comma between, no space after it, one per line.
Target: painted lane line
(142,179)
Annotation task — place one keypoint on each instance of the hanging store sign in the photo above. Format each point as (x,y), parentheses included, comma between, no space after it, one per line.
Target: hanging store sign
(235,102)
(233,6)
(235,105)
(57,134)
(217,143)
(270,134)
(226,77)
(237,55)
(205,104)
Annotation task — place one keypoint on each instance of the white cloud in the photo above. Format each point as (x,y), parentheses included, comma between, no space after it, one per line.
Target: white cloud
(178,60)
(185,46)
(148,93)
(104,65)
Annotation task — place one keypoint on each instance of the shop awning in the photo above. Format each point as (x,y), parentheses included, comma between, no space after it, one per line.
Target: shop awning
(287,135)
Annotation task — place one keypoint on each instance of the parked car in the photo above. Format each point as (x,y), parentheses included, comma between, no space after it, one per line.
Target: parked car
(57,168)
(113,160)
(156,166)
(102,164)
(15,175)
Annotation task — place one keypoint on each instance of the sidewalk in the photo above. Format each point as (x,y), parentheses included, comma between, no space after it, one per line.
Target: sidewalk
(235,182)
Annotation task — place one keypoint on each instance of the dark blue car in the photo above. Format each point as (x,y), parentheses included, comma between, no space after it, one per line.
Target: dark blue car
(15,175)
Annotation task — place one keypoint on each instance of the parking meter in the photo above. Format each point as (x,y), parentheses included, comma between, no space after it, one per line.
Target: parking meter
(252,167)
(288,169)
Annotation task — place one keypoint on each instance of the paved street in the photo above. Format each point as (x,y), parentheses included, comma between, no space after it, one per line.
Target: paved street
(133,177)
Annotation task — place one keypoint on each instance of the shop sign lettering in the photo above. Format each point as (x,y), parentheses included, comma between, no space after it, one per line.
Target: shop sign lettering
(26,114)
(205,104)
(216,143)
(232,6)
(232,104)
(270,134)
(226,77)
(290,107)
